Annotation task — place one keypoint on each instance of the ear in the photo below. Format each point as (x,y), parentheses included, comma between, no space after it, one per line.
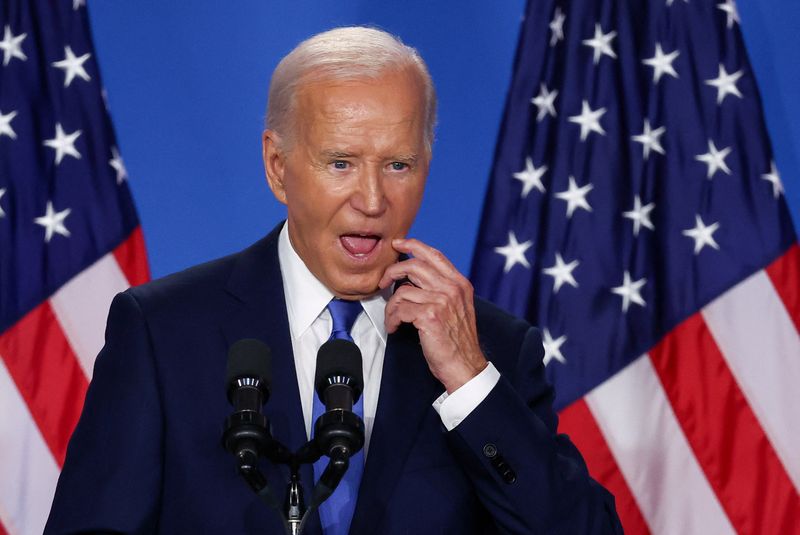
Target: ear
(274,163)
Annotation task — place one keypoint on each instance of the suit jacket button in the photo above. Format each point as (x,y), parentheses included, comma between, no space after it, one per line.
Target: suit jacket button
(509,476)
(499,463)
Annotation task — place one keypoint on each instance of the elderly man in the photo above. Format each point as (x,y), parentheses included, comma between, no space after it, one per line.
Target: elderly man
(460,432)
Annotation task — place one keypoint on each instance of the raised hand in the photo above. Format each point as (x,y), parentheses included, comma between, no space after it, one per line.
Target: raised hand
(440,305)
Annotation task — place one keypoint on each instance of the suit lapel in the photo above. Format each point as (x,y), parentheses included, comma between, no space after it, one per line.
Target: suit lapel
(258,310)
(407,391)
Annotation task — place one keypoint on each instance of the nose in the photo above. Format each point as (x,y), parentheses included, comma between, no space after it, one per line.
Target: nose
(370,197)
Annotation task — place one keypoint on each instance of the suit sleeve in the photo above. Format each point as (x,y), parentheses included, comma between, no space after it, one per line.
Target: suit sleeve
(111,479)
(531,479)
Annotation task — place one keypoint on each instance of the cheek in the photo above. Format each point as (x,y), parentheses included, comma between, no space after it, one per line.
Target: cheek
(311,204)
(407,203)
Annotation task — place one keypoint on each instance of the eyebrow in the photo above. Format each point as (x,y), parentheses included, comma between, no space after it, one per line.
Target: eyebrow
(333,154)
(410,159)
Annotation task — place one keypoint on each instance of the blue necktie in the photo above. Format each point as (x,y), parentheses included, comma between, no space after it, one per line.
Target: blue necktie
(336,512)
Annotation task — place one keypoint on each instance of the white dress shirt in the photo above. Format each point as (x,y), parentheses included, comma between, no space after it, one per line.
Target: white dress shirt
(310,326)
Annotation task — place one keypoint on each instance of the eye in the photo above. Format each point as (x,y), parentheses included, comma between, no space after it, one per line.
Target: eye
(341,164)
(398,166)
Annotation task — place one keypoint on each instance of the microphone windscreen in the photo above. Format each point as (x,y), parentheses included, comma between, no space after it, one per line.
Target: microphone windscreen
(249,358)
(339,357)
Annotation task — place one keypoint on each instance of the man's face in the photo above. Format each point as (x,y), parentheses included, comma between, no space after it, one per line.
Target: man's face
(353,176)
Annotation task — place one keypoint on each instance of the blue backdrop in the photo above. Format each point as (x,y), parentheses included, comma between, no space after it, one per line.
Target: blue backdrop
(187,84)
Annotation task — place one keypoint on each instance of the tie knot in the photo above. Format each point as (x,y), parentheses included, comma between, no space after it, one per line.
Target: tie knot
(343,315)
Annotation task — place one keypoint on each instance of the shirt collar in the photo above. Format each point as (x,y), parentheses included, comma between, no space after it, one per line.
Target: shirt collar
(307,297)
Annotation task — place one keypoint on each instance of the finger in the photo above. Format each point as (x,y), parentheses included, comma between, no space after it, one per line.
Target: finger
(423,308)
(426,252)
(438,289)
(419,272)
(420,296)
(402,312)
(435,258)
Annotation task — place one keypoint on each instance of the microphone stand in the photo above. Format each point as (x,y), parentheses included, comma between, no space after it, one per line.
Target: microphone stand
(339,432)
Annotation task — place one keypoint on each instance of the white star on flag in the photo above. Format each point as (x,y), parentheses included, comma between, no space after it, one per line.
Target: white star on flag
(64,144)
(662,63)
(552,348)
(562,273)
(702,235)
(2,192)
(78,3)
(531,177)
(545,101)
(5,124)
(575,196)
(12,46)
(72,66)
(729,7)
(714,159)
(53,222)
(774,178)
(589,120)
(557,26)
(650,139)
(725,83)
(118,165)
(640,215)
(601,43)
(670,2)
(514,252)
(630,291)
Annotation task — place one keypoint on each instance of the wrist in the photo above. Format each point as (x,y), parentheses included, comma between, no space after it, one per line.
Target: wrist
(458,376)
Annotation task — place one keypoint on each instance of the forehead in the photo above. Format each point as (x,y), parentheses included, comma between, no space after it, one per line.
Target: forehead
(390,104)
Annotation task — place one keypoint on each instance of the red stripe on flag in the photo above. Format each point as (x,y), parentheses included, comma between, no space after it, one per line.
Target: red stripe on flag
(47,374)
(577,421)
(724,434)
(2,529)
(785,276)
(131,256)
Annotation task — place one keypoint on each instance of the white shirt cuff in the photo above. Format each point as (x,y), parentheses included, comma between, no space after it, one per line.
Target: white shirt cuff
(453,408)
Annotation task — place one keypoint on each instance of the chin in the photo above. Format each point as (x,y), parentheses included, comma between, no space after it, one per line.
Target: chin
(357,285)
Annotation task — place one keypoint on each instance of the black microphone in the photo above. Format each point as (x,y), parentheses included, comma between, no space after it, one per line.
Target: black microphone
(247,381)
(339,381)
(247,375)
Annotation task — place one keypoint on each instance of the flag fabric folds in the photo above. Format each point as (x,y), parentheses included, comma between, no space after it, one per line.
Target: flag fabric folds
(636,215)
(69,241)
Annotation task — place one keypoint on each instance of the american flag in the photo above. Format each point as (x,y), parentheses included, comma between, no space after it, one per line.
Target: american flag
(69,241)
(636,214)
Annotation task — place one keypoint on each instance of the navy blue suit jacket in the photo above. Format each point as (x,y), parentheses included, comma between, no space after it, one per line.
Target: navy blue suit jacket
(146,455)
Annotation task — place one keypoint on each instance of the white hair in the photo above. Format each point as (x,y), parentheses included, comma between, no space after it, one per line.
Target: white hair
(352,53)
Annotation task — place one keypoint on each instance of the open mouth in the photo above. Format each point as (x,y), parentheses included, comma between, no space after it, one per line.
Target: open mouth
(359,245)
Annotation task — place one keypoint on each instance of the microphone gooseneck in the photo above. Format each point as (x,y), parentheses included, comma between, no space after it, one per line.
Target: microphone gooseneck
(338,433)
(246,432)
